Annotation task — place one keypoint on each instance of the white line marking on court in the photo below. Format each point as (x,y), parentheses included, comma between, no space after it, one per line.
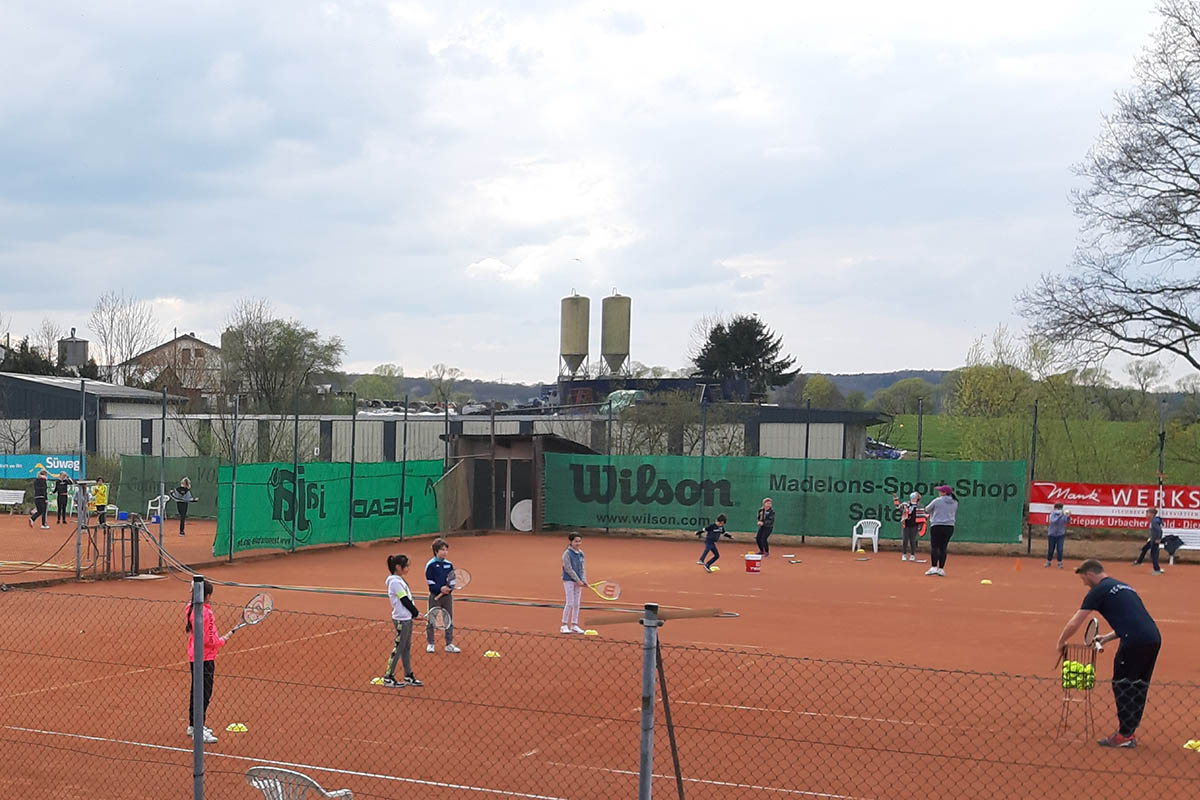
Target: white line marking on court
(732,784)
(292,764)
(851,717)
(718,594)
(180,663)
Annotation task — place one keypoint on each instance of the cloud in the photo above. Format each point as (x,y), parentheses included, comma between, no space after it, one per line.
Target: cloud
(427,180)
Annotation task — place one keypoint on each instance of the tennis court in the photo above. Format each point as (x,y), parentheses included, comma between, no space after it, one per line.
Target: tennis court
(840,678)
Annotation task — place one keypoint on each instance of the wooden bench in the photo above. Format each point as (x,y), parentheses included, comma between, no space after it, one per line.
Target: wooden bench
(1191,541)
(11,497)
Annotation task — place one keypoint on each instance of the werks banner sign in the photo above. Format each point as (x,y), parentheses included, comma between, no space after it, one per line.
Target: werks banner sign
(1116,505)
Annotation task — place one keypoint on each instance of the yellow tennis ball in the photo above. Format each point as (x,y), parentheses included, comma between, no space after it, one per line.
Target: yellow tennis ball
(986,582)
(591,632)
(715,568)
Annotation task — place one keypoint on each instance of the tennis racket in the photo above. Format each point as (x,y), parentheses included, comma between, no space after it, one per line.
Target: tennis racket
(461,578)
(439,618)
(606,590)
(255,611)
(1091,635)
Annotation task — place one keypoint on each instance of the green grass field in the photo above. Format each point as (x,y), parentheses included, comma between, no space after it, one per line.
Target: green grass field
(1080,450)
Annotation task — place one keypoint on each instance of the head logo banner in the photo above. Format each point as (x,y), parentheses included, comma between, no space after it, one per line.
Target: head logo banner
(1115,505)
(813,497)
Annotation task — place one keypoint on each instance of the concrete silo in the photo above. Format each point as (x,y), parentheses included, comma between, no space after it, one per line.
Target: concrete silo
(573,335)
(614,332)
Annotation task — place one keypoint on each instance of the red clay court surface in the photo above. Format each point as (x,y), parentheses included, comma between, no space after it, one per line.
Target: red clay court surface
(830,606)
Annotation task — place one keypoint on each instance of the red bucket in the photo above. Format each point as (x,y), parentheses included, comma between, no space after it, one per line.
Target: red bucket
(753,562)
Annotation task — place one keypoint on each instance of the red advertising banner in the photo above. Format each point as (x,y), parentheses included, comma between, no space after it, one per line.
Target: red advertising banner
(1116,505)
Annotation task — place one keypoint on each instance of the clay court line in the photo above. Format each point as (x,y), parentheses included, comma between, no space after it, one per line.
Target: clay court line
(294,765)
(730,784)
(179,663)
(1066,613)
(851,717)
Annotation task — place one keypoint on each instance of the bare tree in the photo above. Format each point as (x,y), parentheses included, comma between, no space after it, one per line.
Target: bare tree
(14,433)
(1133,287)
(45,340)
(441,380)
(124,327)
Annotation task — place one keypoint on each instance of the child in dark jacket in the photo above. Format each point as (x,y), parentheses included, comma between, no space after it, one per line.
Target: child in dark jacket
(711,535)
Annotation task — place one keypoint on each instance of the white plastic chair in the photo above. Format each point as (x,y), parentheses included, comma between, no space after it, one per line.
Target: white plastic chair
(156,505)
(865,529)
(284,784)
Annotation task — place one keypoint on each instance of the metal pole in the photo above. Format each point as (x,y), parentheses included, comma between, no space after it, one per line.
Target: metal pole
(297,499)
(492,466)
(807,425)
(353,456)
(446,457)
(1162,447)
(703,438)
(162,476)
(804,495)
(920,428)
(403,464)
(197,720)
(82,430)
(650,622)
(233,477)
(81,504)
(1032,474)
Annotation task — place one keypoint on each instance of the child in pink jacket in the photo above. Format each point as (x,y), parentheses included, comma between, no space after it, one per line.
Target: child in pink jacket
(212,643)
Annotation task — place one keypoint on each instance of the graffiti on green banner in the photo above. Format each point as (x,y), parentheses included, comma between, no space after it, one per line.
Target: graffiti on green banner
(813,497)
(278,506)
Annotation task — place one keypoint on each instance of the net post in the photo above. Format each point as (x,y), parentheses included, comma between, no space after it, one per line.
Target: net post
(197,720)
(650,623)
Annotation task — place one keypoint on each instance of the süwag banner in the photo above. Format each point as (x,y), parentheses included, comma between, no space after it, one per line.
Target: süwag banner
(813,497)
(313,504)
(27,466)
(1116,505)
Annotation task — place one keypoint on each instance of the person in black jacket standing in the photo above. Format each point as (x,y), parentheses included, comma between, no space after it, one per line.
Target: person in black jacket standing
(182,497)
(766,524)
(40,500)
(62,490)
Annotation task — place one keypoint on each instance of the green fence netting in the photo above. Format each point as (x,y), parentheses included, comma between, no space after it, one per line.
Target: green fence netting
(277,507)
(140,475)
(813,497)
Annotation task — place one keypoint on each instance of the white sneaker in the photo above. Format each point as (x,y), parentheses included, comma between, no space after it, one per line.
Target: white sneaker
(189,731)
(931,571)
(564,629)
(576,629)
(904,557)
(452,648)
(430,648)
(941,572)
(209,736)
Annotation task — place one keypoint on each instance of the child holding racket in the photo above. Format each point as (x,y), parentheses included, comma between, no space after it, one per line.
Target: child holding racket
(712,534)
(574,578)
(911,515)
(439,575)
(766,525)
(404,611)
(212,643)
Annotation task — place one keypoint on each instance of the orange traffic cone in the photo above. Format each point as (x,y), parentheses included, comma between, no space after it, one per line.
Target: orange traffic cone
(1018,566)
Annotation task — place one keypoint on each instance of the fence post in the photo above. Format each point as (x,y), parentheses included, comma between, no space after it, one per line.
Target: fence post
(197,720)
(295,468)
(920,428)
(650,623)
(703,439)
(353,454)
(233,477)
(403,464)
(1032,473)
(1162,447)
(492,458)
(82,430)
(446,432)
(162,477)
(804,496)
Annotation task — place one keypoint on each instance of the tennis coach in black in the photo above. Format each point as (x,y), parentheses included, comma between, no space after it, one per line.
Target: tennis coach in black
(1133,665)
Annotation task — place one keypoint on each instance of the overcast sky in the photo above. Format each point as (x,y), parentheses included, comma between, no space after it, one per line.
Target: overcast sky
(876,180)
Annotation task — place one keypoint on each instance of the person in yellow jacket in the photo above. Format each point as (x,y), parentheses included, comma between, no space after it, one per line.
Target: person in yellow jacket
(100,498)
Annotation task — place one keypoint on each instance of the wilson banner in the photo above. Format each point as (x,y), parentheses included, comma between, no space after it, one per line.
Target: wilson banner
(1116,505)
(813,497)
(278,507)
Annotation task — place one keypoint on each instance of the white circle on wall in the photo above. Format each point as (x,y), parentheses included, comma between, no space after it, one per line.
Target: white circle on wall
(521,515)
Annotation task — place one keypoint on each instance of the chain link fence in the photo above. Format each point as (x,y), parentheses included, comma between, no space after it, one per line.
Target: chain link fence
(94,704)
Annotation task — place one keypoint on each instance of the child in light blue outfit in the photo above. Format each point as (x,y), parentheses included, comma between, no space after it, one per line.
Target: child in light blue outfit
(1056,534)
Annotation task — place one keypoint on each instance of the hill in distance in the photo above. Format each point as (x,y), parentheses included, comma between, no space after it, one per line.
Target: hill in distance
(870,382)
